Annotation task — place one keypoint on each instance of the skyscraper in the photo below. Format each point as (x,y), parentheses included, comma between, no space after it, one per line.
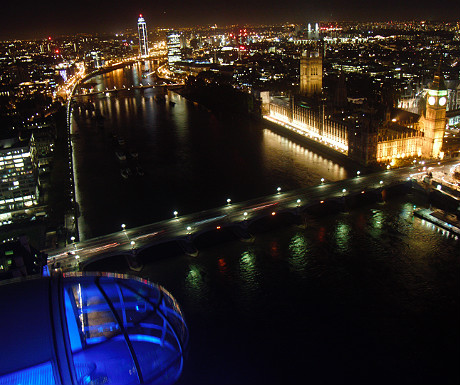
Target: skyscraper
(143,42)
(174,53)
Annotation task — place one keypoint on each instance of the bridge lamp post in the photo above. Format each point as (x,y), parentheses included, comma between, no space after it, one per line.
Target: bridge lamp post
(72,238)
(381,182)
(189,230)
(133,244)
(123,227)
(175,213)
(298,202)
(344,191)
(278,189)
(245,215)
(229,201)
(322,180)
(358,173)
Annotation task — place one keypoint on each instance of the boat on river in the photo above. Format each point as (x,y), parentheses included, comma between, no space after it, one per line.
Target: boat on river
(125,172)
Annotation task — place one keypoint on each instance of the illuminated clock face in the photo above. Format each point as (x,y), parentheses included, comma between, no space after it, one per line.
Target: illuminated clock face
(442,101)
(431,100)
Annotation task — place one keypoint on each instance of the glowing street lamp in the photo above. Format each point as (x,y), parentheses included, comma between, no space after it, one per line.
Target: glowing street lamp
(322,180)
(123,226)
(358,173)
(175,213)
(278,189)
(298,202)
(72,238)
(381,182)
(189,229)
(229,201)
(132,243)
(245,215)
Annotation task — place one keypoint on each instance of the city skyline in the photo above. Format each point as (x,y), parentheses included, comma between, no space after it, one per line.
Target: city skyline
(41,20)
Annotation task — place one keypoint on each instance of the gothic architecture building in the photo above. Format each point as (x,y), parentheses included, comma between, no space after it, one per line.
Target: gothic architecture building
(355,131)
(311,73)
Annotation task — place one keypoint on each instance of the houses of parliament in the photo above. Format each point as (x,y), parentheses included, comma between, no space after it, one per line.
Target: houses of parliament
(356,130)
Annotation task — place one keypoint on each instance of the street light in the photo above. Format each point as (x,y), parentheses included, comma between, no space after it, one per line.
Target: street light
(175,213)
(189,229)
(123,226)
(229,201)
(322,180)
(132,243)
(381,182)
(358,173)
(298,202)
(72,238)
(245,215)
(278,189)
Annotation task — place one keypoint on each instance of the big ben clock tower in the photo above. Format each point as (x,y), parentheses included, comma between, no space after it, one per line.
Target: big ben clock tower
(434,121)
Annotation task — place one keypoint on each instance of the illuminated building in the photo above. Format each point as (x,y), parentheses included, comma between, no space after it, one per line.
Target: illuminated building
(90,329)
(403,135)
(143,41)
(96,58)
(313,34)
(173,43)
(433,120)
(18,189)
(311,73)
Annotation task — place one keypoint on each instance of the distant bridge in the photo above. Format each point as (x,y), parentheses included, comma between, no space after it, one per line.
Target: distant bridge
(133,87)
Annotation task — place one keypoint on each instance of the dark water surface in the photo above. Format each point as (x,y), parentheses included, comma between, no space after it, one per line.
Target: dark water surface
(365,297)
(191,160)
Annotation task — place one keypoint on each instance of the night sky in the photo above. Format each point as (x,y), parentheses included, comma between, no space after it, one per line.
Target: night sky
(38,19)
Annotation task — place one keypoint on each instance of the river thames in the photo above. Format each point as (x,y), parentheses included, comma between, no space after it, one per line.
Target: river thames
(191,160)
(369,296)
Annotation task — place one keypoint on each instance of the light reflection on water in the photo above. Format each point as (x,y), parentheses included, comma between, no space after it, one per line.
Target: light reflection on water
(342,292)
(192,159)
(298,259)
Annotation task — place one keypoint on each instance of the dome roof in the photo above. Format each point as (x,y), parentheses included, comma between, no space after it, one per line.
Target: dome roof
(91,329)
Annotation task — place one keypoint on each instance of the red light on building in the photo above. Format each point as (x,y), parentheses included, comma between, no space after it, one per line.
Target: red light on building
(56,51)
(242,48)
(49,38)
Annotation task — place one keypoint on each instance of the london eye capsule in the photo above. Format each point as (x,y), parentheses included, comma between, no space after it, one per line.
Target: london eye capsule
(90,329)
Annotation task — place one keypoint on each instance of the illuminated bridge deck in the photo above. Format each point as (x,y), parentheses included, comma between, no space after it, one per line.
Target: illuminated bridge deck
(185,228)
